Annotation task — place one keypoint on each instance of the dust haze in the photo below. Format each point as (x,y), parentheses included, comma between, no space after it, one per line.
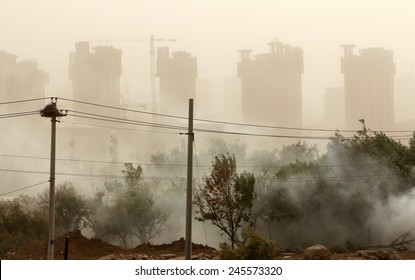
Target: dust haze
(308,68)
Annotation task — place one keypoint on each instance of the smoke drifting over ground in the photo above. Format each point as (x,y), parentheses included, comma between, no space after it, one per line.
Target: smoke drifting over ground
(348,192)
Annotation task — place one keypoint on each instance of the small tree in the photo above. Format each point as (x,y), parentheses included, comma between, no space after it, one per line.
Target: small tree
(131,210)
(70,208)
(225,197)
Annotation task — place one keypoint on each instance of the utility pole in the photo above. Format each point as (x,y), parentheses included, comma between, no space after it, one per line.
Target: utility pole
(190,139)
(51,111)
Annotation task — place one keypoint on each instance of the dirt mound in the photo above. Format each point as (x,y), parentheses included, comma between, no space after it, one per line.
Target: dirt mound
(83,248)
(176,247)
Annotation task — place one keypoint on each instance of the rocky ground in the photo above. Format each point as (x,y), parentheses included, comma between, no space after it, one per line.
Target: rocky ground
(82,248)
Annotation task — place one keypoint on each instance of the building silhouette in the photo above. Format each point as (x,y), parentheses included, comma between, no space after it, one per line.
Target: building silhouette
(177,73)
(369,87)
(404,96)
(21,80)
(271,85)
(95,76)
(334,115)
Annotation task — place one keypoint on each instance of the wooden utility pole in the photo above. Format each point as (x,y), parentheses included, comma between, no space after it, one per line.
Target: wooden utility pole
(51,111)
(190,139)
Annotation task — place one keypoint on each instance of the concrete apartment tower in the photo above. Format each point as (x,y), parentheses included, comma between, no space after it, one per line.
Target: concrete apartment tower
(272,86)
(177,73)
(21,80)
(369,87)
(96,76)
(404,96)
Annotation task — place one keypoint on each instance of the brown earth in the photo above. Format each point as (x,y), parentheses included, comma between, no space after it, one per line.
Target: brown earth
(82,248)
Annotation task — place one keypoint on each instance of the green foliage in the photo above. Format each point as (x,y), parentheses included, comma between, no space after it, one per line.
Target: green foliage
(130,212)
(172,162)
(254,248)
(299,151)
(70,208)
(392,154)
(298,167)
(333,197)
(20,224)
(225,197)
(132,175)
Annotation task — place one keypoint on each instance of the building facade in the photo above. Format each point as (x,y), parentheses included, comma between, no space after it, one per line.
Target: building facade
(369,87)
(95,75)
(404,95)
(177,73)
(21,80)
(271,85)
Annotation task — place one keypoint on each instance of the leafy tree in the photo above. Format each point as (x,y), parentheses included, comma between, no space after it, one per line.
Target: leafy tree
(336,194)
(390,153)
(19,223)
(253,248)
(275,205)
(299,151)
(70,208)
(173,162)
(225,197)
(131,212)
(132,175)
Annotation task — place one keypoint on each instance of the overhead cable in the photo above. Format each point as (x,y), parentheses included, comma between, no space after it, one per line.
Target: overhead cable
(31,186)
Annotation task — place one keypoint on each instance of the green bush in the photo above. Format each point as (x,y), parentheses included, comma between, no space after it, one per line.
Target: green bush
(254,248)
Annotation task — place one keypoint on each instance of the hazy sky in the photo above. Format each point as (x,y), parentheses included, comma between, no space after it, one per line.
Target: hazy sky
(212,30)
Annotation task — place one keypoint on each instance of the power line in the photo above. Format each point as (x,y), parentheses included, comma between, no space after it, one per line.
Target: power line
(128,120)
(179,164)
(226,122)
(275,127)
(134,122)
(400,137)
(161,178)
(291,128)
(121,128)
(131,122)
(150,124)
(123,109)
(105,176)
(6,193)
(92,161)
(24,100)
(22,114)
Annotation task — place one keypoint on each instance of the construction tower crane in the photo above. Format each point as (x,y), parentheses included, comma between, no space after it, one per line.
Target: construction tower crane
(152,41)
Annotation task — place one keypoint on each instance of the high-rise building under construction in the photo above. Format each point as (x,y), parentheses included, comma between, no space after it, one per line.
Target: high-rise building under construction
(271,85)
(96,75)
(177,74)
(21,80)
(368,87)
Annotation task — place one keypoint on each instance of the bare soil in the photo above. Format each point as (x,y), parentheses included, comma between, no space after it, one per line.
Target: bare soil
(83,248)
